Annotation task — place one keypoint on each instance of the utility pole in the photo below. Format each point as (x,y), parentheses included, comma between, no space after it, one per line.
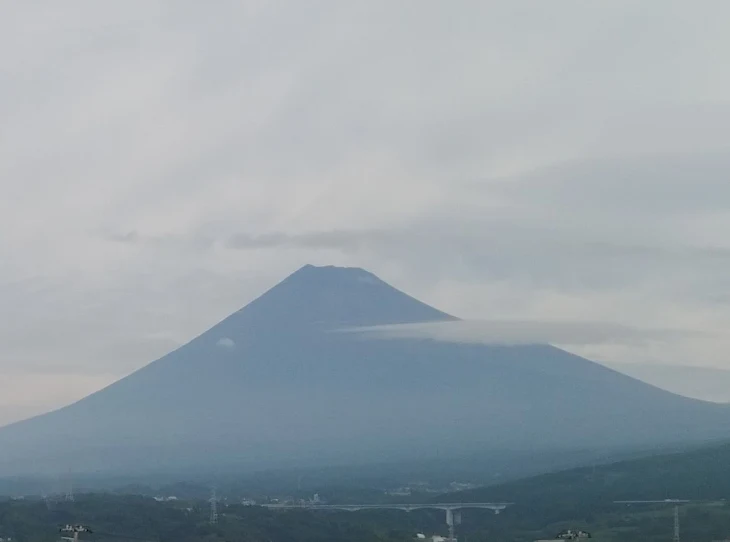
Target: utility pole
(213,508)
(676,523)
(70,490)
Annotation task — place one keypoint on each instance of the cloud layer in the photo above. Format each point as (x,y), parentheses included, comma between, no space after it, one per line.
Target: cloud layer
(164,162)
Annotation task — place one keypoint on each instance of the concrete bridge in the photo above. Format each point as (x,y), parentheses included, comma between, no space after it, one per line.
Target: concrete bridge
(452,509)
(408,507)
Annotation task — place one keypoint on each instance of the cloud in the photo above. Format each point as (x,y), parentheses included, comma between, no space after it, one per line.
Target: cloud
(648,185)
(510,332)
(226,343)
(496,166)
(538,254)
(129,237)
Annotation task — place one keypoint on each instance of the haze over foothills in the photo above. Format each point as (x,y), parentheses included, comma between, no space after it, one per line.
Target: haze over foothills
(552,172)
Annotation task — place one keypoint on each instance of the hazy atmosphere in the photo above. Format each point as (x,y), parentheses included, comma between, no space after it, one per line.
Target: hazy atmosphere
(553,172)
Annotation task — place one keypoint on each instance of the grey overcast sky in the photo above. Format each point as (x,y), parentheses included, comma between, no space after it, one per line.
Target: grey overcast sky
(163,162)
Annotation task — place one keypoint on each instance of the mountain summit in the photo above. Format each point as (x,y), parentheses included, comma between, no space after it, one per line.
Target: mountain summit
(275,384)
(334,297)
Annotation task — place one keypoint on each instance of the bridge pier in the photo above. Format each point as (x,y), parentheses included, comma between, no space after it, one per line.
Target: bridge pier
(450,523)
(453,518)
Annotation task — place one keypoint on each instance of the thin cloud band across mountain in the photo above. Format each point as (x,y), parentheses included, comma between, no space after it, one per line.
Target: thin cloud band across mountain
(508,332)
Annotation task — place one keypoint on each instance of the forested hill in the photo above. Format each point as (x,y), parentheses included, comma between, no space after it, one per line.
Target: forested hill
(120,518)
(701,474)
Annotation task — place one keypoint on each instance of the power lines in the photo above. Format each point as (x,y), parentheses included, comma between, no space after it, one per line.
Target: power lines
(675,502)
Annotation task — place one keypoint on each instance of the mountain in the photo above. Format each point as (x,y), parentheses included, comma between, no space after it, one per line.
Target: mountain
(285,382)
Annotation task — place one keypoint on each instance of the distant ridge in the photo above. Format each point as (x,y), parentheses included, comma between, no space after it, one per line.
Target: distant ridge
(696,474)
(271,386)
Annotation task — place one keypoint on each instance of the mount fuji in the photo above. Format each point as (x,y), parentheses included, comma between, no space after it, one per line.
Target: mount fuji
(280,383)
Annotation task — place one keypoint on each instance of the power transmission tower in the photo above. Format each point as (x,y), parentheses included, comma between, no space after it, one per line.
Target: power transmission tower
(213,507)
(70,490)
(675,502)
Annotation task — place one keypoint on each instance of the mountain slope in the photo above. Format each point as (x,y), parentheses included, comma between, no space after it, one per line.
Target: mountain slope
(698,474)
(585,498)
(278,383)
